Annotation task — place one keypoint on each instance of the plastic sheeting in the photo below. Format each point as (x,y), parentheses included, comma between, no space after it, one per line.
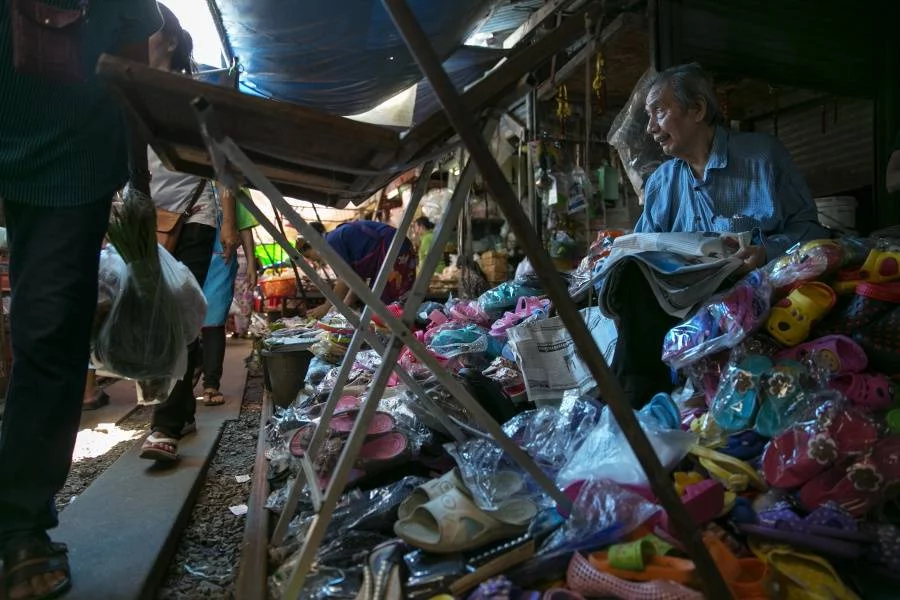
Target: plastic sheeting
(343,57)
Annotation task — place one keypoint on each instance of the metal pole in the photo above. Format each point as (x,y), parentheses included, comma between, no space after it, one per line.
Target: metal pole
(350,452)
(420,47)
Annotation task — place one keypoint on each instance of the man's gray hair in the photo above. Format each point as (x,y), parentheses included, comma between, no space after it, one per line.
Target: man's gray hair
(690,84)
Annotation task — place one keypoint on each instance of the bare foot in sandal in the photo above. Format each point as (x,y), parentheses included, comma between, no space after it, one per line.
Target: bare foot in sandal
(213,397)
(160,447)
(35,569)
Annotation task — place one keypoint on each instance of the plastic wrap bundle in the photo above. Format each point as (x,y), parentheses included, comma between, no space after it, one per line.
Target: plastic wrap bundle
(815,260)
(721,323)
(640,155)
(157,310)
(505,296)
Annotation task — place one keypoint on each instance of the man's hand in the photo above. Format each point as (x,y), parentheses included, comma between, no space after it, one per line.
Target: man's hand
(230,241)
(252,276)
(753,256)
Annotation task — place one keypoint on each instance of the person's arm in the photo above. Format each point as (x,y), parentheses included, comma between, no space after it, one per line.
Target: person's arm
(341,290)
(793,200)
(892,179)
(249,252)
(229,232)
(141,20)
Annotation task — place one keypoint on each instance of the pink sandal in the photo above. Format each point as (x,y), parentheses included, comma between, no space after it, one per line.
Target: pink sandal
(869,390)
(526,307)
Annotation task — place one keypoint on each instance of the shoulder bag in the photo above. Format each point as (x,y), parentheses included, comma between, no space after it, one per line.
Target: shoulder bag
(169,223)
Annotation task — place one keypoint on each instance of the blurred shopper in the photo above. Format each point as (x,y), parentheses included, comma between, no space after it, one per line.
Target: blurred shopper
(219,291)
(64,149)
(171,50)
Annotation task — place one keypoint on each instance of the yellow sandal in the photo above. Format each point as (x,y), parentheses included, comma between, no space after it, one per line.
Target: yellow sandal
(734,474)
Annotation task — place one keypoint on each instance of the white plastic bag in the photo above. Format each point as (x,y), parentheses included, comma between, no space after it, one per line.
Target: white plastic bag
(606,454)
(145,334)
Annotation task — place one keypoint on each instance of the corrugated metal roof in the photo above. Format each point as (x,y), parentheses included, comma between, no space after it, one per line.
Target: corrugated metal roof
(509,14)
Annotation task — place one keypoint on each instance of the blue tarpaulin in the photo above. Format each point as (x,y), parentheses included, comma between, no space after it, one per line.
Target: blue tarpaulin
(343,56)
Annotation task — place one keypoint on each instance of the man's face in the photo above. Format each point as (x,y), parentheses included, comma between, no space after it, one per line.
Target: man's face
(672,127)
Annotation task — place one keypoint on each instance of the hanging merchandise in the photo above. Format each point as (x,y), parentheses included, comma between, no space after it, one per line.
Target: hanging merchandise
(434,204)
(600,90)
(563,108)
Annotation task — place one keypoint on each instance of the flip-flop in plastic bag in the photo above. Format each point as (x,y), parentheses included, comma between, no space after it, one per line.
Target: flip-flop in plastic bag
(783,392)
(861,486)
(740,394)
(806,450)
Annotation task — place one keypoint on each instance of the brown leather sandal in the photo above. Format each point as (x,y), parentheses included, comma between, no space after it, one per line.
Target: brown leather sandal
(33,558)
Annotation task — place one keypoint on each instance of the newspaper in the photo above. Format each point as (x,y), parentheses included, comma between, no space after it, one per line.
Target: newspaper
(703,243)
(546,355)
(682,269)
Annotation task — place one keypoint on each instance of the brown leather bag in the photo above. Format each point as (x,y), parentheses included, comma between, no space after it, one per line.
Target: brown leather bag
(47,41)
(169,224)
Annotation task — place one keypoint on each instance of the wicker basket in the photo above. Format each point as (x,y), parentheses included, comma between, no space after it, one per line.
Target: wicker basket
(279,288)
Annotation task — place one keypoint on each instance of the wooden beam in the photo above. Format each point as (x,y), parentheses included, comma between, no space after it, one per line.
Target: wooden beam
(537,18)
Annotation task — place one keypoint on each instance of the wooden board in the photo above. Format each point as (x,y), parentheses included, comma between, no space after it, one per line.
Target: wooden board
(308,154)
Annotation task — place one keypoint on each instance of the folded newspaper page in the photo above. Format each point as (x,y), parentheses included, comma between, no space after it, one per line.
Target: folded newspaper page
(546,355)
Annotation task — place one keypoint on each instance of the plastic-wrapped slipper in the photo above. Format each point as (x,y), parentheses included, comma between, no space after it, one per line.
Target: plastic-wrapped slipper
(452,523)
(782,391)
(837,353)
(859,487)
(799,454)
(792,319)
(736,403)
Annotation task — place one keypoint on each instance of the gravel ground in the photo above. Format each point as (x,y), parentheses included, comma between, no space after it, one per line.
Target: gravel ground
(87,466)
(205,564)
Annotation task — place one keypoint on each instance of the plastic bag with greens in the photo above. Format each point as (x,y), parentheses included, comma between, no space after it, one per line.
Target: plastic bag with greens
(157,310)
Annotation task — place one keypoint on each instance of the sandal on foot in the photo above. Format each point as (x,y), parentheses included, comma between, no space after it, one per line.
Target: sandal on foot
(189,428)
(160,447)
(213,397)
(100,399)
(33,558)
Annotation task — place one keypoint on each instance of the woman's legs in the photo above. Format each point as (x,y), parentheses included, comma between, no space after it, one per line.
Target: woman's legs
(194,249)
(213,359)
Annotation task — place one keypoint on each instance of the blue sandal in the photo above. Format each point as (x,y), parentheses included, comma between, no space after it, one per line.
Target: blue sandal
(740,394)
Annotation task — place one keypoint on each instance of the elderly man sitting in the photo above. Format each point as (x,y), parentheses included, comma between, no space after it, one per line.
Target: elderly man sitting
(717,180)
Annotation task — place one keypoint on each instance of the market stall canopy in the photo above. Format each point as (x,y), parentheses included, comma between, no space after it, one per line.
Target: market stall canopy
(307,153)
(342,57)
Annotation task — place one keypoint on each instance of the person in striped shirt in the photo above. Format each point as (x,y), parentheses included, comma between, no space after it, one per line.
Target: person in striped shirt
(64,151)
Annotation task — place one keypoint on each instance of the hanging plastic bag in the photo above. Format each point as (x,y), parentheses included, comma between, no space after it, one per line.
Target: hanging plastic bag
(640,155)
(157,310)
